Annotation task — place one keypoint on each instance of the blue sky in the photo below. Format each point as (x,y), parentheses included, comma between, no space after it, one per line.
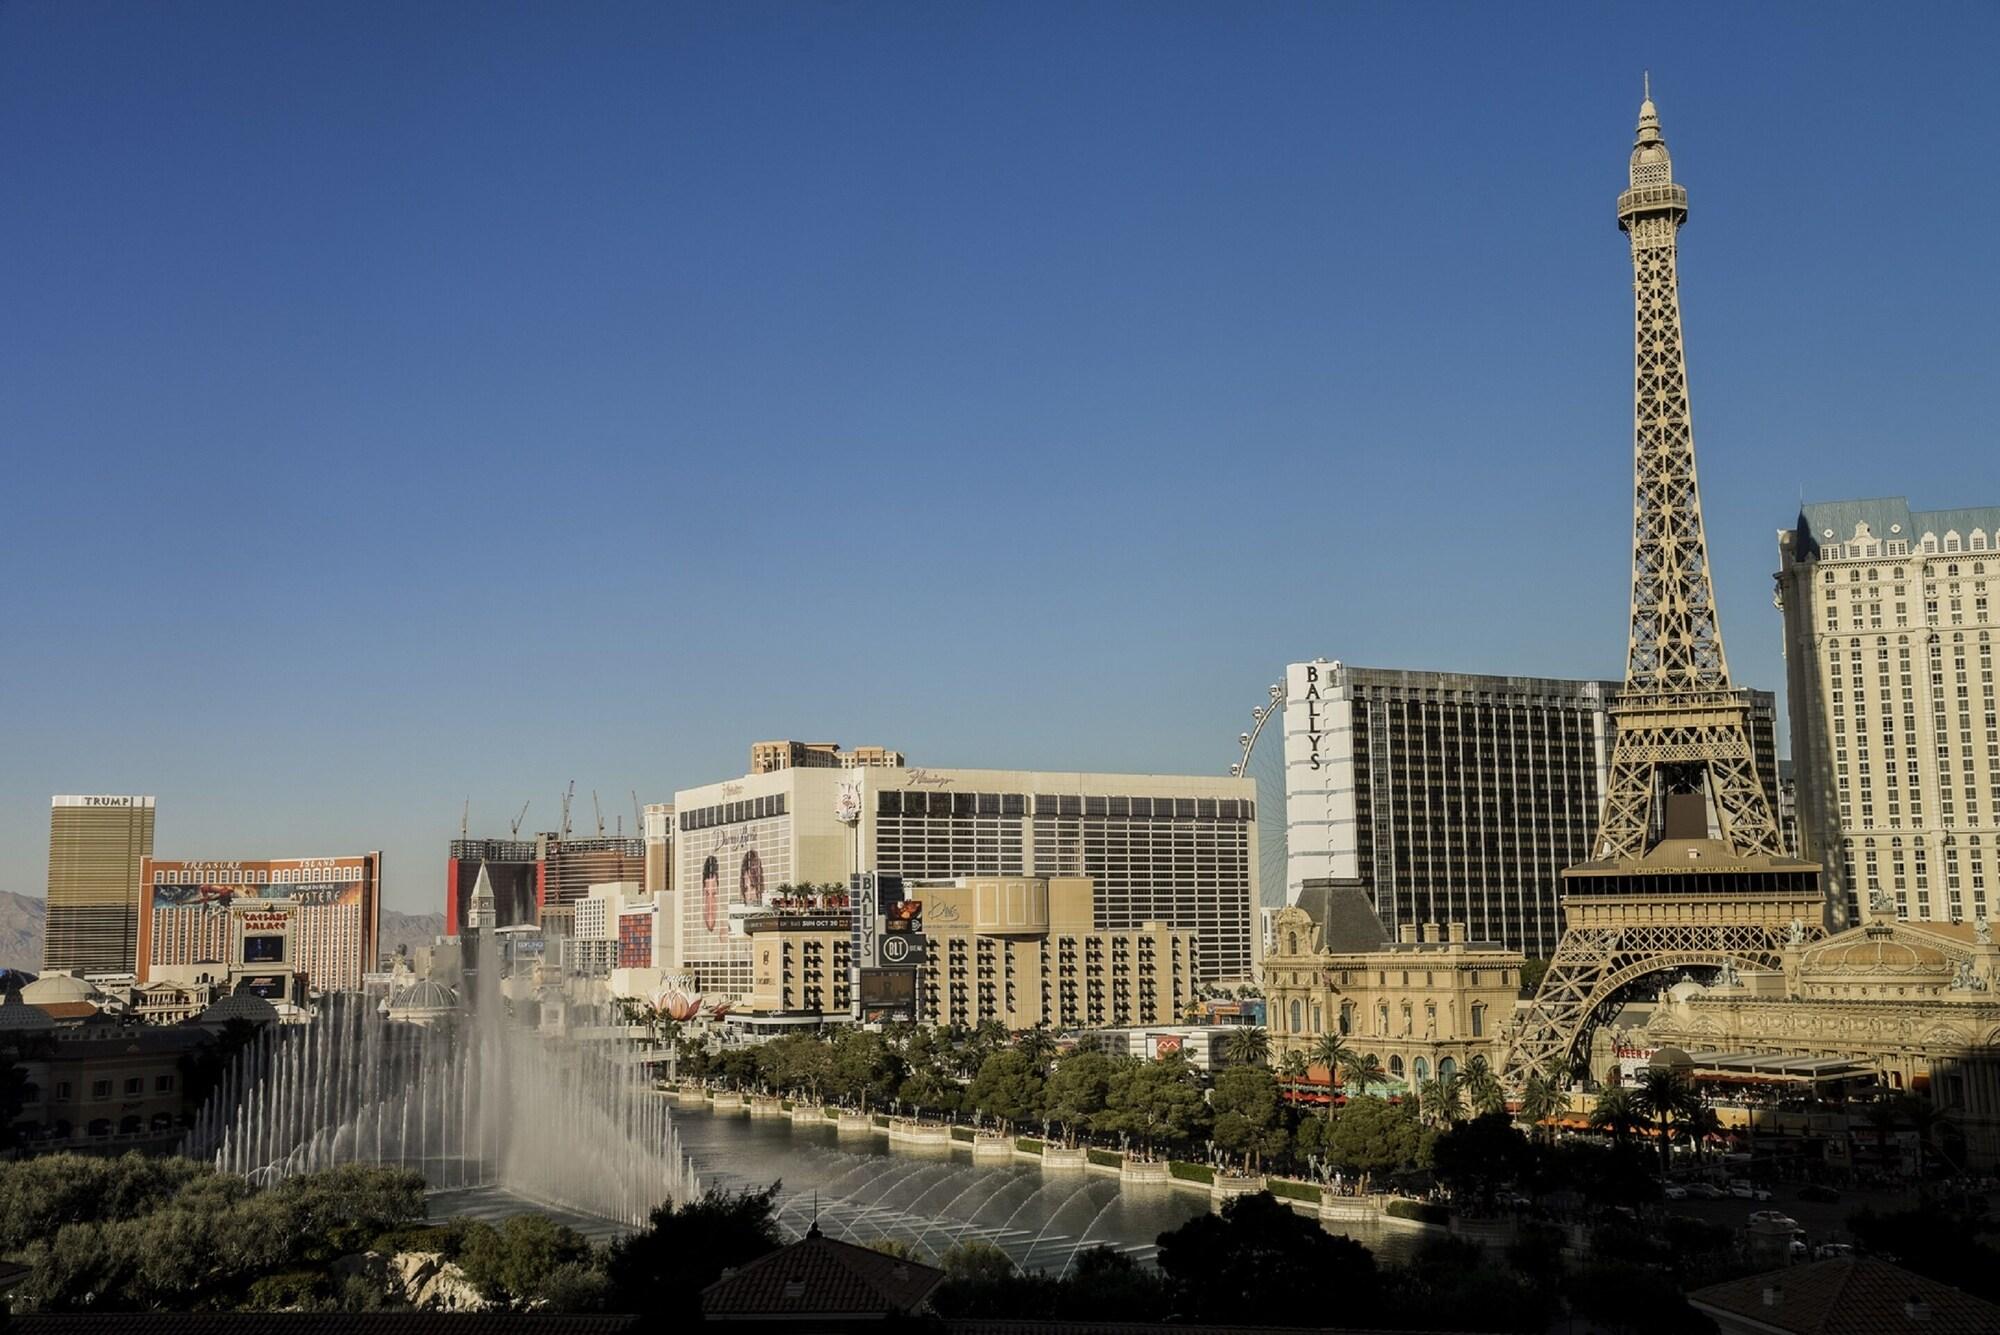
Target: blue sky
(407,403)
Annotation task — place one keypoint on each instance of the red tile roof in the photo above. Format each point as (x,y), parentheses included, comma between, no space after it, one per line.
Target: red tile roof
(1851,1295)
(818,1277)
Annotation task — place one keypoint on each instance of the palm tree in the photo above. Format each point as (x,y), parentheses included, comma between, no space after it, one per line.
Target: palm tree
(1617,1112)
(1292,1065)
(1482,1088)
(1360,1071)
(1437,1102)
(1247,1046)
(1038,1046)
(1665,1096)
(1542,1101)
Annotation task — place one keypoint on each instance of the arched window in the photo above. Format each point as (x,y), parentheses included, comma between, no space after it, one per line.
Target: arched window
(1296,1011)
(1396,1065)
(1447,1068)
(1318,1023)
(1291,943)
(1422,1069)
(130,1125)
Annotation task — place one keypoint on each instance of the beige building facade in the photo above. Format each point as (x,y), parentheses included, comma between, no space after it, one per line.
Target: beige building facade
(96,846)
(1889,630)
(1424,1005)
(1914,1001)
(1019,951)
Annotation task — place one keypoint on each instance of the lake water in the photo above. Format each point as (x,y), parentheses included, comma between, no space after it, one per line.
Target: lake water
(933,1198)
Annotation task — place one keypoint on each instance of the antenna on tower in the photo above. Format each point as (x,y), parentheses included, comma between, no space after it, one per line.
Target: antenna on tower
(1648,78)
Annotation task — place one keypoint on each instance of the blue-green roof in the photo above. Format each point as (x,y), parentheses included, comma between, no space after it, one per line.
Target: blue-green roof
(1889,519)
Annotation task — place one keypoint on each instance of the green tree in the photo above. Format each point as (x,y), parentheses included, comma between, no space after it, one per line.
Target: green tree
(1361,1071)
(1257,1262)
(524,1261)
(1373,1136)
(1247,1045)
(1079,1090)
(1542,1101)
(1669,1100)
(1293,1065)
(1617,1114)
(1007,1086)
(1158,1102)
(1475,1159)
(1038,1045)
(1532,974)
(1482,1088)
(1247,1118)
(864,1068)
(1332,1052)
(975,1259)
(1438,1102)
(662,1269)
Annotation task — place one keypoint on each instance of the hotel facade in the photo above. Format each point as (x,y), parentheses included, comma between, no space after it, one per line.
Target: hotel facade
(1174,850)
(97,844)
(1454,797)
(265,919)
(1889,630)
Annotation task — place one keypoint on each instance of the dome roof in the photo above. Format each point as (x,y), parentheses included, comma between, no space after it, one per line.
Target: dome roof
(239,1006)
(425,994)
(1670,1059)
(1878,950)
(58,987)
(20,1017)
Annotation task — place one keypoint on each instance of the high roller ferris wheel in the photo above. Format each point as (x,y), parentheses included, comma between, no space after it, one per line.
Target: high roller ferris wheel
(1266,765)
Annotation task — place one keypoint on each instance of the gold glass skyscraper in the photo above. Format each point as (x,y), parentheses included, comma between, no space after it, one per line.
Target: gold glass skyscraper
(96,846)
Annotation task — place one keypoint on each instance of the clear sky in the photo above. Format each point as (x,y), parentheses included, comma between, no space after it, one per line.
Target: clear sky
(401,403)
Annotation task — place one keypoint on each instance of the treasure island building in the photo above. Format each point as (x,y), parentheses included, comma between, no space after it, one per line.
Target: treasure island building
(1889,631)
(1178,850)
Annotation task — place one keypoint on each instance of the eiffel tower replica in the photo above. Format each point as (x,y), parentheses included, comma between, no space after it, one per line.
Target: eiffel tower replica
(1688,870)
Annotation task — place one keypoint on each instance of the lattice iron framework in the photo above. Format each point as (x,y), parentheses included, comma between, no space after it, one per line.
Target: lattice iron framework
(1681,726)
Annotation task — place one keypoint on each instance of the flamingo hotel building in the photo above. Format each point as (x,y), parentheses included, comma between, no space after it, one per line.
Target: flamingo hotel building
(1179,851)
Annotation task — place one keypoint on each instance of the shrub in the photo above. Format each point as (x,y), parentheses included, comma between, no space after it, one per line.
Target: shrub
(1422,1211)
(961,1133)
(1298,1191)
(1107,1158)
(1028,1144)
(1191,1172)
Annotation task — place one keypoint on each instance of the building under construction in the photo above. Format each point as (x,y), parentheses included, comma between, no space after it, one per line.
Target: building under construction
(529,875)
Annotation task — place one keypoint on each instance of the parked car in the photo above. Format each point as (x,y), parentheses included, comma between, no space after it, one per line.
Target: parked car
(1800,1252)
(1674,1193)
(1705,1191)
(1773,1217)
(1827,1251)
(1749,1191)
(1818,1191)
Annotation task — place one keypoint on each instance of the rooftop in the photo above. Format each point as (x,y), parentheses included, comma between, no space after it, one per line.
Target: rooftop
(1889,519)
(1852,1295)
(818,1277)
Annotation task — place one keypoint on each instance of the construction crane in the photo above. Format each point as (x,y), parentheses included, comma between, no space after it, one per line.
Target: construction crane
(599,811)
(515,829)
(568,797)
(465,820)
(638,821)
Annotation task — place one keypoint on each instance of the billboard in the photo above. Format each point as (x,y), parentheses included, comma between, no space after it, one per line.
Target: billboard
(887,996)
(263,950)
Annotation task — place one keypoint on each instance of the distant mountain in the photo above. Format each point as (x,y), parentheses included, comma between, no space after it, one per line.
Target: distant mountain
(22,916)
(409,929)
(21,931)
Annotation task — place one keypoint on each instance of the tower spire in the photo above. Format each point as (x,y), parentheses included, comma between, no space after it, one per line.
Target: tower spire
(1683,731)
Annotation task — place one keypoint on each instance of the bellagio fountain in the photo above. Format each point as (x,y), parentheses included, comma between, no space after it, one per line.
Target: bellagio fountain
(473,1099)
